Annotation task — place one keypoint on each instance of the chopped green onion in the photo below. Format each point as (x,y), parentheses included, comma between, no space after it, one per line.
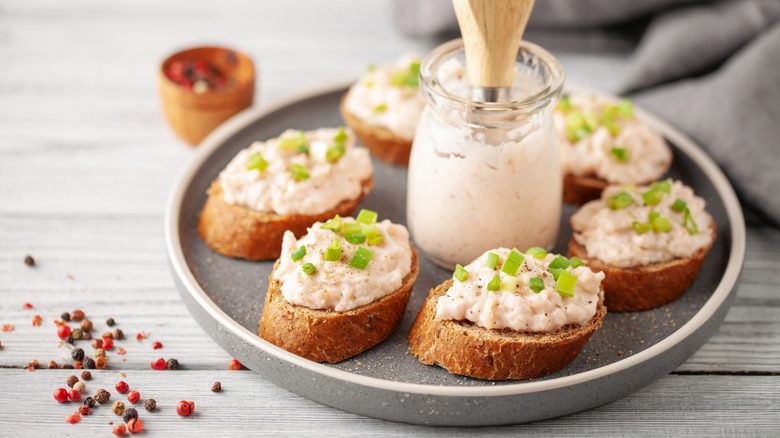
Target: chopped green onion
(370,67)
(299,173)
(308,269)
(608,120)
(460,274)
(494,284)
(576,262)
(653,215)
(566,284)
(492,260)
(353,228)
(662,187)
(536,284)
(380,108)
(340,136)
(564,105)
(621,154)
(560,262)
(369,230)
(335,152)
(689,224)
(256,161)
(508,284)
(333,224)
(375,240)
(355,238)
(556,273)
(369,84)
(513,262)
(293,143)
(361,258)
(679,205)
(537,252)
(398,79)
(366,217)
(630,187)
(333,251)
(619,201)
(626,108)
(650,197)
(641,228)
(661,225)
(298,253)
(304,150)
(577,126)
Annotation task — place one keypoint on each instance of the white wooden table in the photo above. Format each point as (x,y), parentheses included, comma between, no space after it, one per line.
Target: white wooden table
(86,163)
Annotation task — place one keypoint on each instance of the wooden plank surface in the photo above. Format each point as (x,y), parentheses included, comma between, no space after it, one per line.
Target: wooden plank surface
(86,162)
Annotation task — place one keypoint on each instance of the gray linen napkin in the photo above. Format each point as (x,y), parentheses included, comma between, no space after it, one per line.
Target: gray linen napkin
(710,68)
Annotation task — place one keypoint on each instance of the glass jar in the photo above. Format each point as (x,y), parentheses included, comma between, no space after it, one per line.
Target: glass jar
(485,175)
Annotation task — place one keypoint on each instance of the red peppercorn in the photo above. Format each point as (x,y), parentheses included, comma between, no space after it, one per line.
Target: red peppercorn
(185,408)
(77,315)
(61,395)
(27,306)
(235,365)
(84,409)
(122,387)
(135,425)
(156,345)
(63,331)
(158,364)
(119,430)
(133,397)
(108,343)
(73,419)
(37,320)
(140,336)
(74,395)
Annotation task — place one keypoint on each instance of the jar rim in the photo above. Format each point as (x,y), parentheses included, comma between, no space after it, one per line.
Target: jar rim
(551,87)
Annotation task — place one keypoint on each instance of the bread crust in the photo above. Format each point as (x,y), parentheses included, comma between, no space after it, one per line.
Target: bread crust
(644,287)
(464,348)
(382,142)
(581,189)
(241,232)
(330,336)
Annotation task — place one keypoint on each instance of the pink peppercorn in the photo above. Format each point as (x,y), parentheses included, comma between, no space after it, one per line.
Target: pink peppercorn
(133,396)
(158,364)
(73,418)
(108,343)
(156,345)
(185,408)
(135,425)
(74,395)
(119,430)
(63,331)
(122,387)
(235,365)
(61,395)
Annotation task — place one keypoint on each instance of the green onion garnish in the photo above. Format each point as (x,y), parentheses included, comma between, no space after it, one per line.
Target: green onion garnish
(679,205)
(653,215)
(460,274)
(560,262)
(513,262)
(369,84)
(492,260)
(566,284)
(410,77)
(355,238)
(556,273)
(564,105)
(299,173)
(304,150)
(619,201)
(621,154)
(494,284)
(577,126)
(308,269)
(626,108)
(661,225)
(333,224)
(537,252)
(298,253)
(375,240)
(662,187)
(641,228)
(370,67)
(353,228)
(341,135)
(380,108)
(576,262)
(398,79)
(293,143)
(608,120)
(256,161)
(335,152)
(333,252)
(366,217)
(689,224)
(650,197)
(361,258)
(369,230)
(508,284)
(536,284)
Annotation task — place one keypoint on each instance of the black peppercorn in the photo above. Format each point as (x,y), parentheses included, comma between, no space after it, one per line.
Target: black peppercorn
(77,354)
(102,396)
(67,366)
(65,316)
(87,336)
(130,413)
(86,375)
(172,364)
(150,404)
(69,339)
(119,334)
(88,363)
(217,387)
(89,401)
(110,322)
(29,261)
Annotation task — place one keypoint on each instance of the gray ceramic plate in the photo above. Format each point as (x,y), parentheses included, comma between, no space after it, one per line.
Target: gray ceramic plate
(630,351)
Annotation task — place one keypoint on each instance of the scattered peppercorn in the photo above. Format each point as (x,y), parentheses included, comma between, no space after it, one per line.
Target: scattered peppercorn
(133,397)
(140,336)
(150,404)
(27,306)
(158,364)
(235,365)
(77,354)
(172,364)
(122,387)
(74,395)
(89,401)
(108,335)
(71,380)
(156,345)
(77,315)
(73,418)
(101,363)
(130,413)
(63,331)
(86,325)
(99,352)
(102,396)
(86,336)
(217,387)
(84,409)
(61,395)
(52,365)
(77,333)
(135,425)
(86,375)
(118,408)
(108,343)
(37,320)
(97,343)
(66,366)
(185,408)
(88,363)
(110,322)
(78,365)
(119,334)
(65,316)
(80,386)
(29,260)
(119,430)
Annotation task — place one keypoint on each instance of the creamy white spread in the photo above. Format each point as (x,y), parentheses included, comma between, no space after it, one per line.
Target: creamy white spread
(336,285)
(608,235)
(520,309)
(275,190)
(377,102)
(648,155)
(472,189)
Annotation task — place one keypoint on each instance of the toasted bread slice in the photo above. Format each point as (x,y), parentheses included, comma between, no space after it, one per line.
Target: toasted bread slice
(329,336)
(241,232)
(464,348)
(644,287)
(581,189)
(382,142)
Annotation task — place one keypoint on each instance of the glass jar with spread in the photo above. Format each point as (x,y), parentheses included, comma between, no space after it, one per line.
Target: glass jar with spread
(485,174)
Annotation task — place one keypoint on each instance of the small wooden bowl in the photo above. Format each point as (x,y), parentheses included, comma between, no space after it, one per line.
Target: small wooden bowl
(194,115)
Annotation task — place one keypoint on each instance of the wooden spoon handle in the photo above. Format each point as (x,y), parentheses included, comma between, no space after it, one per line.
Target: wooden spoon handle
(492,30)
